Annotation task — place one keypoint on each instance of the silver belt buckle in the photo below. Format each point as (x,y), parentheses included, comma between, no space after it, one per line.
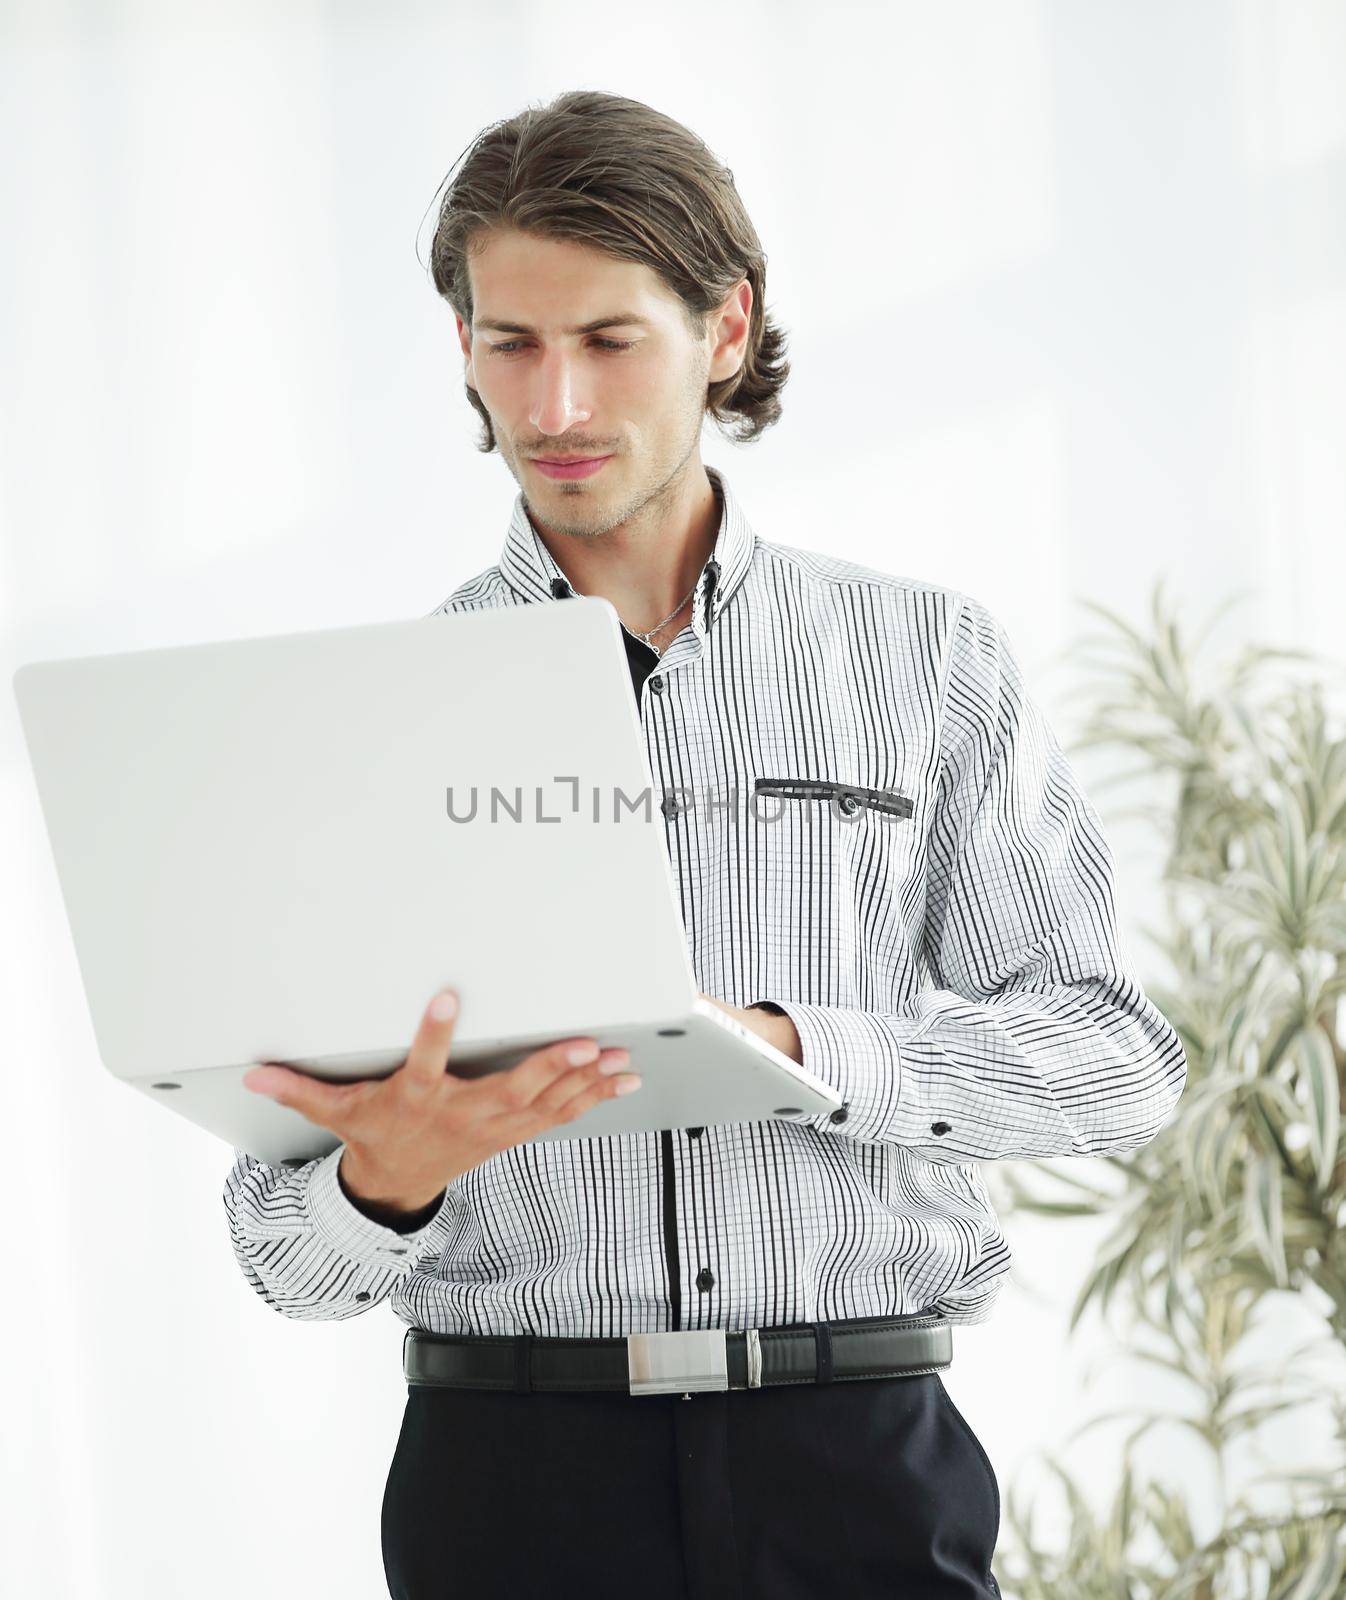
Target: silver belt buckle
(679,1362)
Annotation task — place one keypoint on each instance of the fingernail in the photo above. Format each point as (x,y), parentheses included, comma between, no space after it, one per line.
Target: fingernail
(627,1085)
(614,1061)
(443,1006)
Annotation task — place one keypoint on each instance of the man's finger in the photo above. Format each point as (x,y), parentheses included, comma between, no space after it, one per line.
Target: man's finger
(319,1102)
(428,1057)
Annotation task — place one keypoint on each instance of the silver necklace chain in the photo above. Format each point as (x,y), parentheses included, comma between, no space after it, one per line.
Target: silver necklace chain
(648,638)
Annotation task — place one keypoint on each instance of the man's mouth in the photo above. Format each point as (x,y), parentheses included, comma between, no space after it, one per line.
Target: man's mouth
(570,466)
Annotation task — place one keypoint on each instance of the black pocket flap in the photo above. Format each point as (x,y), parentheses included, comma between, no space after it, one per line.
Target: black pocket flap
(849,795)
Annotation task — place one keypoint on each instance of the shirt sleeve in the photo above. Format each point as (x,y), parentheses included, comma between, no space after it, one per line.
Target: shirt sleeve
(1034,1038)
(305,1248)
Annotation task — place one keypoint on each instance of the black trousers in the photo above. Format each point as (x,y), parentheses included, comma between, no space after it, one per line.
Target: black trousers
(848,1489)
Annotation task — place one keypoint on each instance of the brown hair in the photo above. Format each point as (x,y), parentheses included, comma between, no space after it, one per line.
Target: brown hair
(618,176)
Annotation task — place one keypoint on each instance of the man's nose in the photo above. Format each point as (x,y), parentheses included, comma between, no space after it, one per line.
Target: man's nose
(558,399)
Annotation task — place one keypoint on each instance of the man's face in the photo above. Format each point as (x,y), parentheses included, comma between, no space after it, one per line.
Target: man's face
(634,391)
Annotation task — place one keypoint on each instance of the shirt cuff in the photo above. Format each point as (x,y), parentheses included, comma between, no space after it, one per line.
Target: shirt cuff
(339,1225)
(856,1053)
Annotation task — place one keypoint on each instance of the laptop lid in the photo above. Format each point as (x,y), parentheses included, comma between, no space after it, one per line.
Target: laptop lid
(278,848)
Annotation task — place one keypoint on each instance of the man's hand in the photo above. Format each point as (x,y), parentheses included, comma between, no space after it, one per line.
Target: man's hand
(777,1031)
(409,1135)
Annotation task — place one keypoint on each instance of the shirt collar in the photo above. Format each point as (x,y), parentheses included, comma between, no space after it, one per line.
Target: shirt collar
(528,566)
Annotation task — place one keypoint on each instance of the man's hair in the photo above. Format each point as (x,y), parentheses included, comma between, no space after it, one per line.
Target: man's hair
(617,176)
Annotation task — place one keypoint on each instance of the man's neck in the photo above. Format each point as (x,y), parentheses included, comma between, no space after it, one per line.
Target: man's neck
(646,565)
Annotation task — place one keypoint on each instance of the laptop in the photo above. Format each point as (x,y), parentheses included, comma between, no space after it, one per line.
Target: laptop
(278,848)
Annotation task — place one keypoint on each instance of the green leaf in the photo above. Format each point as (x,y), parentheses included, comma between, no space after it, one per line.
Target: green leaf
(1295,849)
(1263,1214)
(1324,1101)
(1321,1579)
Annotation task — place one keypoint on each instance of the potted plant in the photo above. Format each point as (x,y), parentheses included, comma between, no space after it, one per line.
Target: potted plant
(1242,1195)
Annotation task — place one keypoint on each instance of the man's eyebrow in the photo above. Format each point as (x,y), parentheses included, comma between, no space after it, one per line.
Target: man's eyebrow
(623,319)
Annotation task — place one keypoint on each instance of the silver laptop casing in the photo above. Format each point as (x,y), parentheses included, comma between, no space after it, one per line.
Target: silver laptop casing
(267,852)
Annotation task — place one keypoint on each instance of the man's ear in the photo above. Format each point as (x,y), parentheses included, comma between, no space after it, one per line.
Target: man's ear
(464,337)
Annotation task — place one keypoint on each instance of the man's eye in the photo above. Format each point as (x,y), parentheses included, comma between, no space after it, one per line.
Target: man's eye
(510,345)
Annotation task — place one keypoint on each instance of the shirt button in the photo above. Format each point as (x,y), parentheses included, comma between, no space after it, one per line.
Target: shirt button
(940,1127)
(839,1115)
(669,806)
(656,685)
(705,1279)
(363,1294)
(849,805)
(695,1133)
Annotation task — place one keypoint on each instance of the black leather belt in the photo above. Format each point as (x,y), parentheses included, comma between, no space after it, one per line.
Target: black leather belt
(683,1362)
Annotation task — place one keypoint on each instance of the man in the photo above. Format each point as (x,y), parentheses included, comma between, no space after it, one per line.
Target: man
(924,918)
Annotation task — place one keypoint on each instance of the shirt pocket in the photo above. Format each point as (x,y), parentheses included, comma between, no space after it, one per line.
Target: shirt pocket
(831,872)
(833,869)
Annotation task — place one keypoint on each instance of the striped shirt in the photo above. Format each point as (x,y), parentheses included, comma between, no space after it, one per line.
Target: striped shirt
(920,883)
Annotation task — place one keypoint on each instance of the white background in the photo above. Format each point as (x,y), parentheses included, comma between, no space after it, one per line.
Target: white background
(1066,285)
